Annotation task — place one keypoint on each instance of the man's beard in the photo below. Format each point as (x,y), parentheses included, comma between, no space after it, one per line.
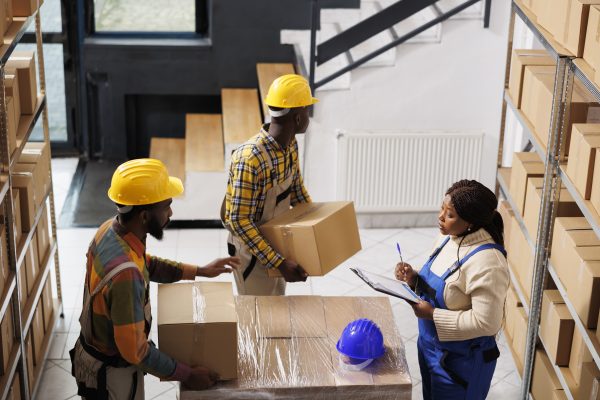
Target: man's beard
(155,229)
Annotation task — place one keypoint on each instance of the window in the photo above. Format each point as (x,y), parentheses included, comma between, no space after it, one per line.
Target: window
(145,16)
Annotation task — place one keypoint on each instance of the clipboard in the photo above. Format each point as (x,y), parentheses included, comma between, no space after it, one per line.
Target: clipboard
(387,285)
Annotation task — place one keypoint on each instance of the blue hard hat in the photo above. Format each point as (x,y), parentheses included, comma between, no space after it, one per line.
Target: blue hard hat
(361,339)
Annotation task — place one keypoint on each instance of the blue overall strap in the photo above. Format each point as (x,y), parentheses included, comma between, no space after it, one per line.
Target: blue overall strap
(437,251)
(463,260)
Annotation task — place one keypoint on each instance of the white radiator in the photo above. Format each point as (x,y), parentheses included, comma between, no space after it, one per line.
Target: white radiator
(404,171)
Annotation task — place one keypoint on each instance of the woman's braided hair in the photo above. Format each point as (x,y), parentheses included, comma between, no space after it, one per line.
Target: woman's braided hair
(476,204)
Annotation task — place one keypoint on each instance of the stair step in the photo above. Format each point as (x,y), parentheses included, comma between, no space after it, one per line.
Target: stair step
(473,12)
(241,114)
(172,153)
(432,35)
(267,73)
(204,150)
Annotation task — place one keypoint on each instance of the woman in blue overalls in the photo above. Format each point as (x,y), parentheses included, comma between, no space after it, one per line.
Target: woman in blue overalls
(463,286)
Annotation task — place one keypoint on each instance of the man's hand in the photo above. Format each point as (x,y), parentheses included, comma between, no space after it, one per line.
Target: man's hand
(292,272)
(201,378)
(423,310)
(218,267)
(405,272)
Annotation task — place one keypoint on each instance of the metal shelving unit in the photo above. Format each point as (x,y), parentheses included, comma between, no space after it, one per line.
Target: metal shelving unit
(16,251)
(561,377)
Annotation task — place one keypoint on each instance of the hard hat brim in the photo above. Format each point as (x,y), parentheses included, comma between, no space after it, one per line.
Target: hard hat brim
(175,189)
(313,100)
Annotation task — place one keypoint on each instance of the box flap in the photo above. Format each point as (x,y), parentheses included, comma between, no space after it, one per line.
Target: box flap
(307,214)
(307,316)
(572,223)
(528,156)
(585,238)
(196,302)
(273,317)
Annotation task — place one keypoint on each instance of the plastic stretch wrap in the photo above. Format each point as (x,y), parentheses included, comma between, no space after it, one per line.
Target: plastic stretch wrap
(287,350)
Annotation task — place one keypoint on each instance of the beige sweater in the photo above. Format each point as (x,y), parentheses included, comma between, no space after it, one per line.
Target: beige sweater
(475,294)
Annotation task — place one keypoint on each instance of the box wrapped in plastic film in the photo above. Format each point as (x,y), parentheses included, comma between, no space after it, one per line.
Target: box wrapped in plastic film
(287,350)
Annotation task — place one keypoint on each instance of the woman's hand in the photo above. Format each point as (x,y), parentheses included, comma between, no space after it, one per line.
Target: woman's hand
(423,310)
(405,272)
(218,267)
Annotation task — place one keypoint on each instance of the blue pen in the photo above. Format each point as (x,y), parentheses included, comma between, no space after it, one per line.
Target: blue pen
(399,252)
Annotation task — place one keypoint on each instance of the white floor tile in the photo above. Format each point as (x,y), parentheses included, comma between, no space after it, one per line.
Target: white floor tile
(170,395)
(71,339)
(57,346)
(410,244)
(201,238)
(504,391)
(56,384)
(329,286)
(199,256)
(154,387)
(377,235)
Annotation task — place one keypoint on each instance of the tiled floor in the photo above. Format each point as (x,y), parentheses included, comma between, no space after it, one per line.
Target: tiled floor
(199,246)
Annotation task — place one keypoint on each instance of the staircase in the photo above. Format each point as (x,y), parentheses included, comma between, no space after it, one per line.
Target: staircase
(202,158)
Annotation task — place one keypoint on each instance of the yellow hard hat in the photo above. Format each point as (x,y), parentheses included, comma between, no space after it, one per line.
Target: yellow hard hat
(143,181)
(290,91)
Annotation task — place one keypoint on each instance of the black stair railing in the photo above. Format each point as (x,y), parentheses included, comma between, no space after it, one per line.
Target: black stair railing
(366,29)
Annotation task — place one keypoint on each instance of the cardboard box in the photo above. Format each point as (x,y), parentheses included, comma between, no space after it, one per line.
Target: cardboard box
(8,13)
(525,165)
(556,328)
(12,123)
(533,200)
(12,89)
(591,51)
(590,379)
(544,380)
(585,138)
(15,389)
(37,327)
(30,358)
(520,59)
(25,8)
(4,256)
(579,356)
(559,394)
(43,236)
(7,339)
(595,196)
(23,287)
(35,158)
(25,184)
(23,64)
(510,311)
(205,335)
(520,338)
(48,305)
(507,217)
(520,258)
(575,255)
(17,216)
(318,236)
(530,93)
(33,266)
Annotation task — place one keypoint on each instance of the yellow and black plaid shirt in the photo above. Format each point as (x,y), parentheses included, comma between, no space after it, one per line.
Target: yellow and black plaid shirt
(249,180)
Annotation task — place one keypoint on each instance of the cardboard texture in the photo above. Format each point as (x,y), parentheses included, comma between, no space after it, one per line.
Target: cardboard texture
(48,305)
(273,316)
(305,367)
(12,123)
(559,394)
(556,328)
(17,216)
(510,312)
(43,236)
(595,196)
(575,255)
(25,8)
(520,258)
(544,380)
(525,165)
(591,51)
(590,376)
(530,93)
(4,253)
(585,138)
(318,236)
(533,199)
(579,355)
(12,89)
(197,325)
(32,265)
(30,358)
(24,183)
(520,337)
(7,339)
(35,158)
(8,14)
(23,64)
(520,59)
(15,389)
(507,217)
(37,327)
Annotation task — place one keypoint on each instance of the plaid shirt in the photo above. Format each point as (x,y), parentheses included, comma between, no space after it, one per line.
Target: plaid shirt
(249,180)
(118,325)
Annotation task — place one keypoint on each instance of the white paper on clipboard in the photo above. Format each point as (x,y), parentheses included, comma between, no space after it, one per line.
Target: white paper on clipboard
(387,285)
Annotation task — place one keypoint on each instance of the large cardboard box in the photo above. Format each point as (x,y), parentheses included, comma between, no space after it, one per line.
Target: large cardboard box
(559,394)
(520,338)
(595,197)
(43,236)
(544,380)
(15,389)
(533,200)
(520,258)
(591,51)
(7,339)
(12,89)
(318,236)
(30,358)
(23,287)
(585,138)
(32,265)
(40,170)
(507,217)
(530,93)
(23,65)
(575,255)
(8,13)
(556,328)
(25,8)
(590,379)
(520,59)
(12,123)
(197,325)
(25,183)
(567,21)
(579,356)
(510,311)
(37,327)
(525,165)
(48,305)
(17,217)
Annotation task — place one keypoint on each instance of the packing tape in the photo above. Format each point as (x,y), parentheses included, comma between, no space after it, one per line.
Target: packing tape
(288,241)
(198,304)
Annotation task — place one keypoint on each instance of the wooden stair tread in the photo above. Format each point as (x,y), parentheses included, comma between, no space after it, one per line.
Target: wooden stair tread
(267,73)
(204,150)
(170,151)
(241,114)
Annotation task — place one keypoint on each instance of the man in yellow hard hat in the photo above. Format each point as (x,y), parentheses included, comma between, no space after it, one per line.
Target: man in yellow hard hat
(264,181)
(113,352)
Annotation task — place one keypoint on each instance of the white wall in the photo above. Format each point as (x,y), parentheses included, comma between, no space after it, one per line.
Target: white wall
(455,85)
